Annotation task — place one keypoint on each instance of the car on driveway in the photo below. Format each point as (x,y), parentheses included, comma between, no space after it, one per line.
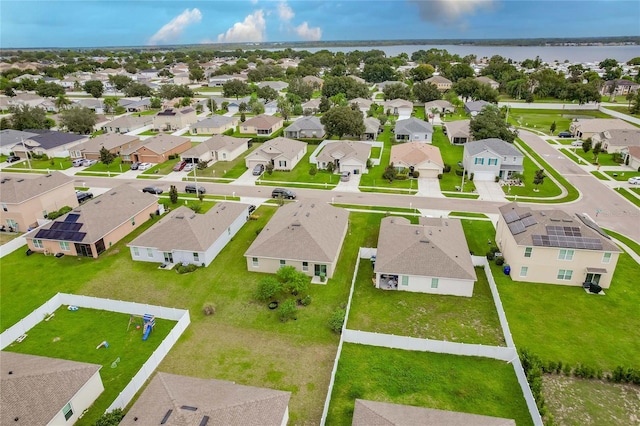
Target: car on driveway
(179,166)
(12,159)
(87,163)
(345,176)
(258,169)
(634,180)
(134,166)
(144,166)
(152,190)
(188,167)
(565,134)
(576,143)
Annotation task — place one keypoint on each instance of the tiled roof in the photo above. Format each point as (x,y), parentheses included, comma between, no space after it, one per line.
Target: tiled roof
(18,189)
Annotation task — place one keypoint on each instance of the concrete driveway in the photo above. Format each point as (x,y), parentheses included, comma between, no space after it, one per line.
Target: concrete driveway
(350,186)
(429,187)
(489,191)
(247,178)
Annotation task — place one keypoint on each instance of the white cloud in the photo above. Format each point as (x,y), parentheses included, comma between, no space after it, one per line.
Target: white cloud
(254,1)
(285,13)
(448,11)
(172,30)
(306,33)
(251,29)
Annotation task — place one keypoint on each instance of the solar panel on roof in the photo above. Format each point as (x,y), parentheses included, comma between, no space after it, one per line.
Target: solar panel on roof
(529,221)
(511,216)
(516,227)
(72,217)
(523,215)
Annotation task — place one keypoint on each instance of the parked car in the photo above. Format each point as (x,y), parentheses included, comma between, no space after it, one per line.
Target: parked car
(258,169)
(78,162)
(88,163)
(345,176)
(634,180)
(152,190)
(576,143)
(179,166)
(188,167)
(284,193)
(12,159)
(134,166)
(566,134)
(83,196)
(144,166)
(191,189)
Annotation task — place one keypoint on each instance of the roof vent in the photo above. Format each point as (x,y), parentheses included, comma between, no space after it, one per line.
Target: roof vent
(113,193)
(223,207)
(307,215)
(190,408)
(180,216)
(417,232)
(313,205)
(20,180)
(204,421)
(567,220)
(424,240)
(97,202)
(446,223)
(166,417)
(192,216)
(543,214)
(11,372)
(430,232)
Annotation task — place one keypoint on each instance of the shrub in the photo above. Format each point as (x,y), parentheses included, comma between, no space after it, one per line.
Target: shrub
(196,207)
(459,172)
(499,261)
(415,174)
(491,255)
(209,309)
(532,366)
(112,418)
(306,301)
(58,213)
(185,269)
(566,370)
(439,175)
(267,289)
(447,168)
(337,320)
(471,177)
(287,310)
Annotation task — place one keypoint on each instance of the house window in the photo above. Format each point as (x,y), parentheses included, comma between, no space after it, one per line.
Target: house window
(606,257)
(282,163)
(64,245)
(565,254)
(149,252)
(527,251)
(196,257)
(38,244)
(254,262)
(434,282)
(565,274)
(67,410)
(493,161)
(282,263)
(224,155)
(478,161)
(136,251)
(405,280)
(305,266)
(524,270)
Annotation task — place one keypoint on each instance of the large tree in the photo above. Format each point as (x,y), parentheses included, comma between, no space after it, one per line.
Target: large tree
(397,91)
(78,120)
(235,88)
(421,72)
(346,85)
(49,90)
(267,93)
(171,91)
(62,102)
(426,92)
(298,87)
(343,120)
(28,117)
(378,72)
(94,87)
(106,156)
(137,89)
(119,81)
(490,123)
(459,71)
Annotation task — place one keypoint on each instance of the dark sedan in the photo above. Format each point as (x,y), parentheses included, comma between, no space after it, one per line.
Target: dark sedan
(153,190)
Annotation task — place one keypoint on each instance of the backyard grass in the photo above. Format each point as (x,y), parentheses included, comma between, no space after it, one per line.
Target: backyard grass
(74,335)
(5,237)
(58,164)
(148,112)
(300,173)
(451,155)
(447,382)
(563,323)
(541,119)
(375,152)
(162,169)
(478,233)
(427,316)
(622,176)
(629,196)
(115,167)
(418,112)
(227,169)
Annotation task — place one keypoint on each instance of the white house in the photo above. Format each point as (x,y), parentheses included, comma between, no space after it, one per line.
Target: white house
(282,153)
(216,148)
(346,156)
(488,158)
(413,130)
(400,107)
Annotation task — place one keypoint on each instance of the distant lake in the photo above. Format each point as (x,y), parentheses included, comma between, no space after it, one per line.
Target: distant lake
(517,53)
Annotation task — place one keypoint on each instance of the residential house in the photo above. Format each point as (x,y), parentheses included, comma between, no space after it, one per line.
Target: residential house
(181,78)
(220,80)
(491,158)
(278,86)
(432,257)
(443,84)
(262,125)
(135,105)
(174,119)
(313,81)
(114,142)
(616,140)
(418,156)
(371,129)
(413,130)
(486,80)
(346,156)
(174,400)
(311,106)
(458,132)
(633,153)
(400,107)
(156,149)
(281,153)
(214,125)
(216,148)
(307,235)
(585,128)
(271,108)
(93,227)
(305,127)
(367,413)
(128,123)
(202,236)
(357,79)
(233,105)
(38,390)
(384,84)
(95,105)
(473,108)
(50,142)
(26,201)
(148,74)
(9,138)
(32,100)
(443,107)
(363,104)
(619,87)
(553,247)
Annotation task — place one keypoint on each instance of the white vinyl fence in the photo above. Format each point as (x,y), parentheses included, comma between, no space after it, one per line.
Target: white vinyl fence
(60,299)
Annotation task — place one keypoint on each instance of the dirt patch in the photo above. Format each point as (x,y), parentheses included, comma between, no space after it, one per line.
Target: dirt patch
(574,401)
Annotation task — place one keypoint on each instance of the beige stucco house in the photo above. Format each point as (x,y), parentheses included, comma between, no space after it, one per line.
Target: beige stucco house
(174,119)
(458,132)
(216,148)
(114,142)
(127,123)
(156,149)
(584,128)
(27,200)
(617,140)
(307,235)
(432,257)
(418,156)
(39,390)
(552,247)
(443,84)
(214,125)
(400,107)
(262,125)
(486,80)
(282,153)
(346,156)
(634,157)
(305,127)
(92,228)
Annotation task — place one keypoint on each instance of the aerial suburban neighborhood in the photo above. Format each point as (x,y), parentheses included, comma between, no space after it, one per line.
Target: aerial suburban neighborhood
(380,234)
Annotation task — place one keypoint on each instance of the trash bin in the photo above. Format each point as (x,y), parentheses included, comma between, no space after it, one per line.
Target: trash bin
(506,269)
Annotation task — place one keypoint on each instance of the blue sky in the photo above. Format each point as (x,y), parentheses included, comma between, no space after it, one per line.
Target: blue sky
(86,23)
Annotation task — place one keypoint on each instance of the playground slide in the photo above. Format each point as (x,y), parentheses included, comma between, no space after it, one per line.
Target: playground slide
(147,331)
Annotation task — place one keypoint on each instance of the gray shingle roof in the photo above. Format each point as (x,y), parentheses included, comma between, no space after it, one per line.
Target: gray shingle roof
(191,399)
(272,148)
(371,125)
(17,189)
(130,122)
(197,232)
(498,146)
(434,248)
(214,121)
(10,137)
(308,230)
(345,150)
(438,79)
(458,128)
(159,143)
(49,139)
(412,125)
(621,137)
(475,106)
(595,125)
(38,387)
(305,123)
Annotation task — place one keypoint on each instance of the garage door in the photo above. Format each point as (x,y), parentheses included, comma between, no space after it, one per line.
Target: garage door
(484,176)
(428,173)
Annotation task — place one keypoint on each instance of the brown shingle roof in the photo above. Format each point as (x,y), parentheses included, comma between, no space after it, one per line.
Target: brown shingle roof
(215,143)
(273,148)
(415,153)
(186,401)
(159,144)
(596,125)
(345,150)
(434,248)
(108,141)
(38,387)
(308,230)
(14,190)
(262,121)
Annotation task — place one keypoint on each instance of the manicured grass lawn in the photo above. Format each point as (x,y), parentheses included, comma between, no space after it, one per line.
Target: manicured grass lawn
(599,175)
(629,196)
(461,195)
(162,169)
(227,169)
(374,177)
(418,112)
(575,158)
(622,176)
(458,115)
(5,237)
(113,167)
(563,323)
(452,318)
(375,152)
(148,133)
(603,159)
(149,112)
(447,382)
(451,155)
(628,241)
(75,335)
(623,109)
(58,164)
(468,214)
(377,208)
(300,172)
(547,189)
(541,119)
(478,233)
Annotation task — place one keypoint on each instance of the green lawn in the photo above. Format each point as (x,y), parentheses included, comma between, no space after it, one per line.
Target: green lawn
(571,153)
(469,214)
(377,208)
(622,176)
(300,172)
(74,335)
(428,316)
(540,119)
(162,169)
(375,152)
(148,112)
(458,115)
(447,382)
(626,240)
(599,175)
(227,169)
(629,196)
(50,164)
(114,167)
(478,234)
(603,158)
(418,112)
(623,109)
(451,155)
(547,189)
(148,133)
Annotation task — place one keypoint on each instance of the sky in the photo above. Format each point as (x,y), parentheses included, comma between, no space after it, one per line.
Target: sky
(100,23)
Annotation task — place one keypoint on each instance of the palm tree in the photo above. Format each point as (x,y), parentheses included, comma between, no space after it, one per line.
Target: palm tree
(433,112)
(110,105)
(62,102)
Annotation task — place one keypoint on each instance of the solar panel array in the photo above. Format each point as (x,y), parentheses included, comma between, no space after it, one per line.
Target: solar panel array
(72,217)
(511,216)
(67,230)
(567,242)
(518,223)
(568,231)
(66,226)
(517,227)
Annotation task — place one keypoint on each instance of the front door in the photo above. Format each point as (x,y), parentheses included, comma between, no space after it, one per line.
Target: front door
(168,257)
(320,269)
(593,278)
